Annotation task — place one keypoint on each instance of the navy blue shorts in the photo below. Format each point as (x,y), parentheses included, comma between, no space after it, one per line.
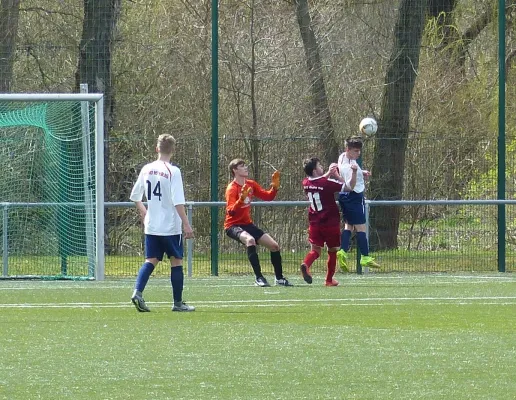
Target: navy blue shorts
(235,231)
(352,205)
(156,246)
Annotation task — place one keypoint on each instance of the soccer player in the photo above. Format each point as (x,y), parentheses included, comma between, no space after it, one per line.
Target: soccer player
(239,225)
(323,216)
(352,205)
(162,185)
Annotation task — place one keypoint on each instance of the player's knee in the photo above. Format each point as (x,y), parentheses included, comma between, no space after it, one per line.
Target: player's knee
(275,247)
(176,262)
(317,250)
(250,242)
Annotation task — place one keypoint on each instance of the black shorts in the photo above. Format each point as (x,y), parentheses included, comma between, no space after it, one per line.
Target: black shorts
(235,231)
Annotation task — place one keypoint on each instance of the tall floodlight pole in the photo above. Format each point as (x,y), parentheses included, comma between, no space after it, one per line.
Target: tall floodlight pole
(501,135)
(214,135)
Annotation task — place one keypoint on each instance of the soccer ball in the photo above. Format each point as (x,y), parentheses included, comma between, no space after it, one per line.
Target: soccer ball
(368,126)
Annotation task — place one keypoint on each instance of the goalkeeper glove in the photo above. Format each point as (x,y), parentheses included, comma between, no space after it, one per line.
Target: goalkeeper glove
(245,192)
(275,180)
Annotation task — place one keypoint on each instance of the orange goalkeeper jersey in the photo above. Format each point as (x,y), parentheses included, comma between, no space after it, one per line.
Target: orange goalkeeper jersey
(239,212)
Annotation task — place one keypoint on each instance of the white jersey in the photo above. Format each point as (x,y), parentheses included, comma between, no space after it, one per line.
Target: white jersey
(346,172)
(162,184)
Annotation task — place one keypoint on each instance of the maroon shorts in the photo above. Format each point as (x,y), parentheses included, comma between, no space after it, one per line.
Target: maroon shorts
(319,235)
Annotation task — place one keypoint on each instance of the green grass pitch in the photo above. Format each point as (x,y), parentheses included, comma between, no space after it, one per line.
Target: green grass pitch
(372,337)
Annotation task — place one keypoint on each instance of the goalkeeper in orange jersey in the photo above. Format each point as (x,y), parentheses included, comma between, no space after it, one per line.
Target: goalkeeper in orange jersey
(239,225)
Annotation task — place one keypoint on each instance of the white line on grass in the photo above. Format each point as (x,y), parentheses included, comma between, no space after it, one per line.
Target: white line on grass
(217,282)
(203,306)
(503,300)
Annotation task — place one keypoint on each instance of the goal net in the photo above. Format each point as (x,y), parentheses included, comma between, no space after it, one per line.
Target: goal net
(51,186)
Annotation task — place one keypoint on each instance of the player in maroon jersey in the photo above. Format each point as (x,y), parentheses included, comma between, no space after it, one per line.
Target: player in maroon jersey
(323,215)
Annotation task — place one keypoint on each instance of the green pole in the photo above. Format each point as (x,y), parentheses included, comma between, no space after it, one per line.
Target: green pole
(501,135)
(214,135)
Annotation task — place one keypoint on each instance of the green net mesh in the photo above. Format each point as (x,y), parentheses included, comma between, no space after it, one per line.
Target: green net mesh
(47,189)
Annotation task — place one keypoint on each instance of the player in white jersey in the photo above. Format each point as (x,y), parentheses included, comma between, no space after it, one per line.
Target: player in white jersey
(164,220)
(352,205)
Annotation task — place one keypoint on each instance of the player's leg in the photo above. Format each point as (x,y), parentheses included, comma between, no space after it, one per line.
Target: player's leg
(345,236)
(358,219)
(309,259)
(153,254)
(174,249)
(267,241)
(345,244)
(332,239)
(331,267)
(365,259)
(240,235)
(316,244)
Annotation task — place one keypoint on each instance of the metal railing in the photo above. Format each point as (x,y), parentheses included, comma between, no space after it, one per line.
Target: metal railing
(486,232)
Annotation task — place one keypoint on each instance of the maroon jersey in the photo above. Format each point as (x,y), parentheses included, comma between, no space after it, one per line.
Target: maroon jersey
(323,210)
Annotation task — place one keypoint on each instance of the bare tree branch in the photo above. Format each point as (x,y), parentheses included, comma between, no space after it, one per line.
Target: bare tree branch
(45,11)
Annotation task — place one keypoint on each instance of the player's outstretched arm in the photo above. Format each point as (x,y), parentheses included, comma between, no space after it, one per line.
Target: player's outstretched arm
(348,175)
(333,172)
(267,195)
(275,184)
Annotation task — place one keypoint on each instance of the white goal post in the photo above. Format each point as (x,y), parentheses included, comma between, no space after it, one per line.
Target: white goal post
(76,109)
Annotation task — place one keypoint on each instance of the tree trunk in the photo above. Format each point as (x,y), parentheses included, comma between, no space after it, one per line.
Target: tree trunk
(440,9)
(95,54)
(391,143)
(322,113)
(9,12)
(100,19)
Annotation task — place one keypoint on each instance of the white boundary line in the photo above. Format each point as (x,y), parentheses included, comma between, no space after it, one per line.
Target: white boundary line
(215,282)
(379,301)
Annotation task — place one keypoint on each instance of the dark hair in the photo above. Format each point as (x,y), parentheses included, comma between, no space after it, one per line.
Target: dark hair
(234,165)
(354,142)
(310,164)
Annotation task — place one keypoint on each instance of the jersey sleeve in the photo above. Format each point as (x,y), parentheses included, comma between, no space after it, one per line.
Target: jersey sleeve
(232,199)
(138,188)
(176,186)
(261,193)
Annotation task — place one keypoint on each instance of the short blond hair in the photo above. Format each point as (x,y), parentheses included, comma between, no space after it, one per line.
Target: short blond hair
(166,144)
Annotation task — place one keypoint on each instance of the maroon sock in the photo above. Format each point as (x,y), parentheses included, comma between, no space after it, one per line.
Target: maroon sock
(310,258)
(332,263)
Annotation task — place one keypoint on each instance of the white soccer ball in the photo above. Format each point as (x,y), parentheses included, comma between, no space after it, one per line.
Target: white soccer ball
(368,126)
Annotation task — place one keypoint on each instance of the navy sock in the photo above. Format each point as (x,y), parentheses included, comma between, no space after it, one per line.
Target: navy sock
(143,276)
(177,278)
(276,263)
(362,243)
(252,255)
(345,238)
